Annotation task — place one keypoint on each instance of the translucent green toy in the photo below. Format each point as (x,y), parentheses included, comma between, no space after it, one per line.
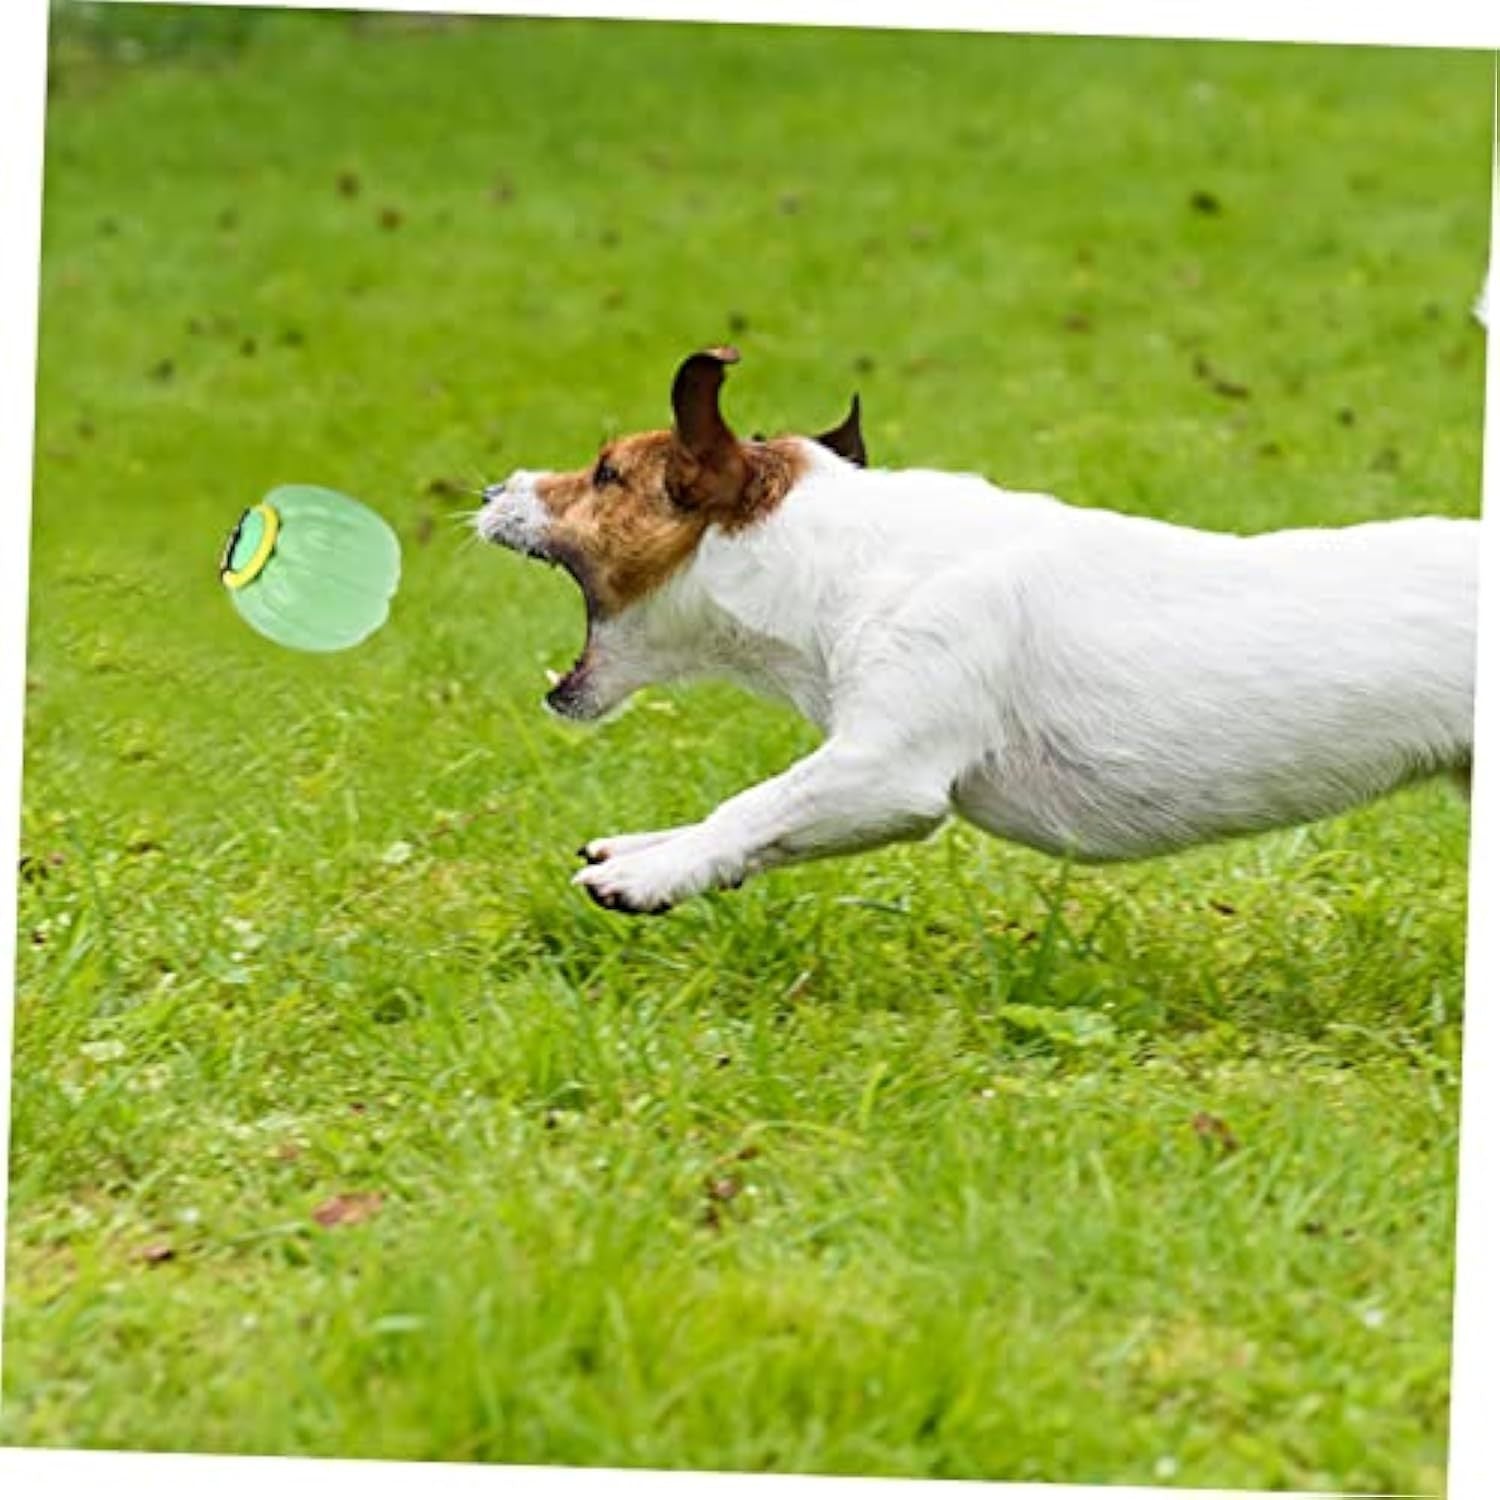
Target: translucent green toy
(311,568)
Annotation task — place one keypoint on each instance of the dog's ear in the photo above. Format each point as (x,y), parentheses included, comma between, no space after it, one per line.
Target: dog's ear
(714,471)
(701,427)
(847,439)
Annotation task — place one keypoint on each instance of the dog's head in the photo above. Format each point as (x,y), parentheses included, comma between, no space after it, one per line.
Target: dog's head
(628,521)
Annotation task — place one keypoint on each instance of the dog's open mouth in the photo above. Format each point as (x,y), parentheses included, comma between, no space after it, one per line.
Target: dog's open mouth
(570,694)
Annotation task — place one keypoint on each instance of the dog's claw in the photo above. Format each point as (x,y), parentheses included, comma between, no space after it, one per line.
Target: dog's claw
(615,896)
(613,901)
(607,899)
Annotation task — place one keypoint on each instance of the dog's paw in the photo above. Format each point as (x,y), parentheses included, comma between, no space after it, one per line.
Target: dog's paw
(596,851)
(625,884)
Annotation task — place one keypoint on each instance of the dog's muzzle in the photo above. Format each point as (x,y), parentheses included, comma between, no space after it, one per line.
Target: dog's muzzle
(513,516)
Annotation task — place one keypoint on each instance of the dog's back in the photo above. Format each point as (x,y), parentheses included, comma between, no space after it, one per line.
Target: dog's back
(1170,685)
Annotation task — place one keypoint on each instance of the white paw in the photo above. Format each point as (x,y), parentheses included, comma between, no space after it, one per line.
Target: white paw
(639,884)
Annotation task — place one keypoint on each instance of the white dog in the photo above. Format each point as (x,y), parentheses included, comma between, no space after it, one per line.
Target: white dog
(1093,684)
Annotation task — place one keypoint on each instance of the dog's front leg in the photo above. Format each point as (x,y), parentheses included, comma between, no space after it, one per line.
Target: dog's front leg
(842,798)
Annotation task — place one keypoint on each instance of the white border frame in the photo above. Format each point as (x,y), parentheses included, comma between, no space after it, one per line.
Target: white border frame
(1475,1451)
(1436,23)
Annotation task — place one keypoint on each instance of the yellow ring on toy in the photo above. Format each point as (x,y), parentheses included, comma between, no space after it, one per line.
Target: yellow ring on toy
(239,577)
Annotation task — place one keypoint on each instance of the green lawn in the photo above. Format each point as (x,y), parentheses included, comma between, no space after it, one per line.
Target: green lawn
(941,1161)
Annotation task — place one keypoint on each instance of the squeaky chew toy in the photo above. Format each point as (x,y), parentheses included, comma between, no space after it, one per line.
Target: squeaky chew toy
(311,568)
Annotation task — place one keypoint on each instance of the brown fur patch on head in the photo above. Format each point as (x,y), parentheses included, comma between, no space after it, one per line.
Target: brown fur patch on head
(626,523)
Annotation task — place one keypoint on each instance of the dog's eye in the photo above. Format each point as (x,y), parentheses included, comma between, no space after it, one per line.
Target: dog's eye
(605,473)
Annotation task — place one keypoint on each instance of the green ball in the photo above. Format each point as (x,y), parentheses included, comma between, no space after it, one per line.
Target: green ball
(311,568)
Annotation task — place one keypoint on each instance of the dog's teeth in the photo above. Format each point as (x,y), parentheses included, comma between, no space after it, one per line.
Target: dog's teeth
(553,678)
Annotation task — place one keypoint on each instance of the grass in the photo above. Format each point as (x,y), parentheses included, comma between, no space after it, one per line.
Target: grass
(942,1161)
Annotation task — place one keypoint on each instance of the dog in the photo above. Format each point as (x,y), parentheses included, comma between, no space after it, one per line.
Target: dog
(1096,685)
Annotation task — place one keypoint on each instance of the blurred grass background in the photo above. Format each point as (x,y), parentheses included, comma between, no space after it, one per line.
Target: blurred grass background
(341,1125)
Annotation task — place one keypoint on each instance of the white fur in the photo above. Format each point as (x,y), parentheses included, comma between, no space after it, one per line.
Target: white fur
(521,523)
(1085,682)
